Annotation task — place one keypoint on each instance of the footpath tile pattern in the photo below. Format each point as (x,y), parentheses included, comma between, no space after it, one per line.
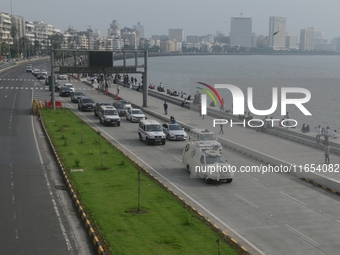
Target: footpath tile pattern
(275,147)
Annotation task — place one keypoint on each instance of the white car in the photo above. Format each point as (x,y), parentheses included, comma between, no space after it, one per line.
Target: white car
(44,72)
(61,77)
(174,132)
(135,115)
(126,103)
(70,85)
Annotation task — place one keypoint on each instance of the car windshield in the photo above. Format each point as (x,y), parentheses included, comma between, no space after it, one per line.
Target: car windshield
(111,112)
(125,102)
(137,112)
(207,137)
(120,106)
(175,127)
(212,160)
(70,86)
(78,93)
(153,127)
(87,100)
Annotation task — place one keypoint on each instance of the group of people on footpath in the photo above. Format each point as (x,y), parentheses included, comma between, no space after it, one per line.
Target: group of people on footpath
(325,132)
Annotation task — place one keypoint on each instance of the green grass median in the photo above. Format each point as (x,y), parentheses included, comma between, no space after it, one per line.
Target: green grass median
(108,191)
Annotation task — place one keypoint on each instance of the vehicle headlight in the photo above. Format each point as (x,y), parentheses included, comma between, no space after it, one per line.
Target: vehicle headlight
(172,134)
(106,119)
(150,136)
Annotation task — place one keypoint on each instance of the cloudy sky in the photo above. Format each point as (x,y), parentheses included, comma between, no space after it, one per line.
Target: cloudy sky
(195,17)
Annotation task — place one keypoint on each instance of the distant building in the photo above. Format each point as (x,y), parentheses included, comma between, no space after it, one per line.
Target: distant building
(241,32)
(140,29)
(277,33)
(161,38)
(5,28)
(307,39)
(168,46)
(291,42)
(114,29)
(176,34)
(193,38)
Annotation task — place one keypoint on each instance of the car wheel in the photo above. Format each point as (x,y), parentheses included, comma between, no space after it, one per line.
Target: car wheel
(95,114)
(147,141)
(118,124)
(207,181)
(163,142)
(229,180)
(140,137)
(168,137)
(188,169)
(126,117)
(100,120)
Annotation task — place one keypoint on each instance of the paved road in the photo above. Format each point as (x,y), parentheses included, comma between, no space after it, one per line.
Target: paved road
(268,213)
(35,216)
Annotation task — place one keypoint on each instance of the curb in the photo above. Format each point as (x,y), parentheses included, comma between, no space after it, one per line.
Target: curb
(86,221)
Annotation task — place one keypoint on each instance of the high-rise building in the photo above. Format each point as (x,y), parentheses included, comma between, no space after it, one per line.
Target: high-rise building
(277,33)
(5,28)
(241,32)
(291,42)
(176,35)
(114,29)
(307,39)
(140,29)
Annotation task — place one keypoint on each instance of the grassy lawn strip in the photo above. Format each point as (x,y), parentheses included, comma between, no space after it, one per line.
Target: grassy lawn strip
(107,190)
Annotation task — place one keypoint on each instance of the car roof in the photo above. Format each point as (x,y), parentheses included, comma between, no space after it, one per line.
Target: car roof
(108,107)
(68,84)
(103,103)
(150,121)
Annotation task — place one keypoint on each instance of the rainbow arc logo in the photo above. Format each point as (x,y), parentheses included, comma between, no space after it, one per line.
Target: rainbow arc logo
(208,92)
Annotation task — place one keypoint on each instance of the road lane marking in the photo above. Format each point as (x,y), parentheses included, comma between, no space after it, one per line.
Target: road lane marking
(242,198)
(178,159)
(128,128)
(56,210)
(251,177)
(292,198)
(306,237)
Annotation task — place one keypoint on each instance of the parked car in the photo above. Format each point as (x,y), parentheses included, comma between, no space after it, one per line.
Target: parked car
(35,72)
(65,91)
(135,115)
(29,68)
(85,104)
(120,108)
(75,96)
(97,106)
(70,85)
(61,77)
(126,103)
(174,132)
(41,76)
(108,115)
(56,87)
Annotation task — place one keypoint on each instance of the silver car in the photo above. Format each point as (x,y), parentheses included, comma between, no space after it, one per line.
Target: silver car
(174,132)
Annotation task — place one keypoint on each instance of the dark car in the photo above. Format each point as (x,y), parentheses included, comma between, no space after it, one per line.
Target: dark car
(97,106)
(120,108)
(56,87)
(85,104)
(64,91)
(75,96)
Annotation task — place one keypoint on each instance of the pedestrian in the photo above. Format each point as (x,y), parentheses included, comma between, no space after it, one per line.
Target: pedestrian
(221,129)
(326,134)
(222,105)
(318,134)
(327,151)
(165,105)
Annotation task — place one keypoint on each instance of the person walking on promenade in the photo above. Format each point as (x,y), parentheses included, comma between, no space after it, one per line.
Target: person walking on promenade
(318,134)
(326,134)
(165,105)
(327,151)
(221,129)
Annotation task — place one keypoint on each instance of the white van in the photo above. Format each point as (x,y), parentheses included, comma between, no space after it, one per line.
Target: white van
(151,131)
(206,163)
(108,115)
(208,137)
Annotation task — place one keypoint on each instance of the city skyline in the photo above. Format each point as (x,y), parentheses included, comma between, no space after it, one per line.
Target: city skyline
(158,17)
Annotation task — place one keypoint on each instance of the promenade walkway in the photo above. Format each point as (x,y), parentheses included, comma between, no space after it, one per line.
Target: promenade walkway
(265,147)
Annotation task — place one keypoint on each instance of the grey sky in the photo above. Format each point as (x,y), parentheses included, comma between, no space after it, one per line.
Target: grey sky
(195,17)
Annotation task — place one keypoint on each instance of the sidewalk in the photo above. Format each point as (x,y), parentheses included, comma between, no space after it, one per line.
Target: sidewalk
(266,148)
